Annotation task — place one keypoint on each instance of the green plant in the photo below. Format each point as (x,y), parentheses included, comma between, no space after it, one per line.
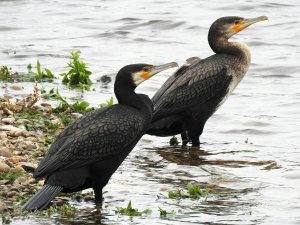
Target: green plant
(66,210)
(78,75)
(6,219)
(66,118)
(64,105)
(163,212)
(192,191)
(109,102)
(130,211)
(5,74)
(176,194)
(195,191)
(41,74)
(11,176)
(50,127)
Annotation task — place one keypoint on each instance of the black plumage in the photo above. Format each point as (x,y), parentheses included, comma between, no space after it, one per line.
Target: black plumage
(89,151)
(189,97)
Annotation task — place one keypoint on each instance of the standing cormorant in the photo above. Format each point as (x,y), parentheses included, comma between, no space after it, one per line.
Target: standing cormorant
(89,151)
(189,97)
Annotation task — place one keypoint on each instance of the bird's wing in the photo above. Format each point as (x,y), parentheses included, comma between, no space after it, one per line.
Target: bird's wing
(198,84)
(169,83)
(94,137)
(181,71)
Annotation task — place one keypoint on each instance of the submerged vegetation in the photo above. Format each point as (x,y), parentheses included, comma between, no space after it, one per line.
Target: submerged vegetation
(192,191)
(130,211)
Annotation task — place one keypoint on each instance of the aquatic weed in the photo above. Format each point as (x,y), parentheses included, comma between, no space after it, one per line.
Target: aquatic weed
(173,141)
(192,191)
(164,213)
(78,75)
(130,211)
(5,74)
(40,74)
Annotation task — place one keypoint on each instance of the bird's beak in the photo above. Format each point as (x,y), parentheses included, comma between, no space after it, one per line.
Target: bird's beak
(143,75)
(160,68)
(247,22)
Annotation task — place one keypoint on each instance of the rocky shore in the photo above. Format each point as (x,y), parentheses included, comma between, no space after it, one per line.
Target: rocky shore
(27,130)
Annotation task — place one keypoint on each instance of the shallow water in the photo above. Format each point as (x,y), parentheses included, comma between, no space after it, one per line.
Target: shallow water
(252,183)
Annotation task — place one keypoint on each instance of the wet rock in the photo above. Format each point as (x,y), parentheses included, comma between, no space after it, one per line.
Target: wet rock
(4,168)
(30,167)
(89,198)
(16,87)
(8,120)
(5,152)
(3,207)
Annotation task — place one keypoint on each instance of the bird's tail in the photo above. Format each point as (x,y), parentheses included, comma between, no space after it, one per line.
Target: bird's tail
(42,198)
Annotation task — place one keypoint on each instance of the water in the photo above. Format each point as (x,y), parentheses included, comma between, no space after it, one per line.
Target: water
(252,183)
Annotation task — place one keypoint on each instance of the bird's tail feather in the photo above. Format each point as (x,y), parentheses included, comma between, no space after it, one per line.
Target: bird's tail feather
(42,198)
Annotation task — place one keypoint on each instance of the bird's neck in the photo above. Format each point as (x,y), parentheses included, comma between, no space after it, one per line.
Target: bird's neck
(130,98)
(237,49)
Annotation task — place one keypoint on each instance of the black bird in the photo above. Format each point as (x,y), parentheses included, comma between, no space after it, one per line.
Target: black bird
(189,97)
(90,150)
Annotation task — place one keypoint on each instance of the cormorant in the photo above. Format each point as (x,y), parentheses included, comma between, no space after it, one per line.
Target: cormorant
(89,151)
(189,97)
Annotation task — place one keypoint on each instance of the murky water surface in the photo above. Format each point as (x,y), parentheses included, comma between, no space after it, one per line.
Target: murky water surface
(252,182)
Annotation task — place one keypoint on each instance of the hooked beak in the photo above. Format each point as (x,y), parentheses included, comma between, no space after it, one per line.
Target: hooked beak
(160,68)
(143,75)
(247,22)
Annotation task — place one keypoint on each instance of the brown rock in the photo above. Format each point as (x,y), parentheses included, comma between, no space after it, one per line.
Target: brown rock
(15,159)
(11,194)
(4,168)
(5,152)
(3,207)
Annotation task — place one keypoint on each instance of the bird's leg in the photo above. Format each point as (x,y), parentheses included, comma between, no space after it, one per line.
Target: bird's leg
(196,141)
(98,195)
(184,138)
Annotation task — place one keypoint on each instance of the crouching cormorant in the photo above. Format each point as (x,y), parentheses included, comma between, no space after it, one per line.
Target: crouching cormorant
(189,97)
(89,151)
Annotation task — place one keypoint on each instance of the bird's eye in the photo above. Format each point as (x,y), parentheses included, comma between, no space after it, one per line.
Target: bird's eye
(146,69)
(236,22)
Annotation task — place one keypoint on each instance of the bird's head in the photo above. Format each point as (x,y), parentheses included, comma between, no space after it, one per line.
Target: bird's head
(226,27)
(134,74)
